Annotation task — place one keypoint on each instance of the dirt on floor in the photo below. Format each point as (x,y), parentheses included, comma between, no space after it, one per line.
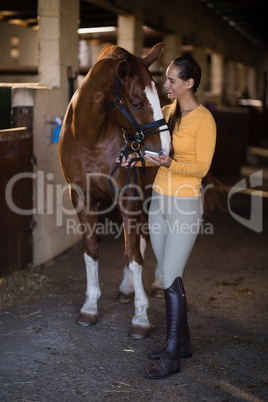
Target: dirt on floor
(46,356)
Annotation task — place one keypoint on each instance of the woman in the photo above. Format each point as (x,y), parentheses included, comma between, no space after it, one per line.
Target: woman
(175,210)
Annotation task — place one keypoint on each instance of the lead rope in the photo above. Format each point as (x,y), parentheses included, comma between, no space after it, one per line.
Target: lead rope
(125,152)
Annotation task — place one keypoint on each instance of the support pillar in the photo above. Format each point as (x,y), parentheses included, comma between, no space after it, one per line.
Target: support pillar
(58,41)
(172,50)
(241,78)
(229,84)
(130,33)
(199,54)
(251,82)
(58,62)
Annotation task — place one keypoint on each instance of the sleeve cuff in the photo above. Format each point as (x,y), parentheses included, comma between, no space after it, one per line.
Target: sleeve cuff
(173,165)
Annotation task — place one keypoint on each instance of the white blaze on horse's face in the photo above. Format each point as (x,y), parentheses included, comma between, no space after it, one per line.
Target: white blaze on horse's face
(153,98)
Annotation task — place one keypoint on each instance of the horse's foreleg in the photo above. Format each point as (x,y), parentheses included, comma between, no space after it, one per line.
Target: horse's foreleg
(135,248)
(140,323)
(89,312)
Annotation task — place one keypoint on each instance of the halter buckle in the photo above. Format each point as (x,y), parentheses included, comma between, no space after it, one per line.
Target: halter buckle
(139,136)
(118,103)
(135,146)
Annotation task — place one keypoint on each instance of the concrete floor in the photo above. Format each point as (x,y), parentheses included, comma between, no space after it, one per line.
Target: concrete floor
(46,356)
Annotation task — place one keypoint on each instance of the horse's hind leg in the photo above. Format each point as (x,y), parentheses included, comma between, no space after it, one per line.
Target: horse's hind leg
(89,312)
(126,289)
(157,286)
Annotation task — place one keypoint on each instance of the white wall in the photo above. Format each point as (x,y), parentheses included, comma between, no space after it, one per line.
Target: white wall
(50,236)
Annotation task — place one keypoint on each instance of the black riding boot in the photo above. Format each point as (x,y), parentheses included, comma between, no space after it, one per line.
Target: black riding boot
(185,348)
(176,315)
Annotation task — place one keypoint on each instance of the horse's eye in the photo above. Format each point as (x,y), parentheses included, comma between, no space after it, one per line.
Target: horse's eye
(136,106)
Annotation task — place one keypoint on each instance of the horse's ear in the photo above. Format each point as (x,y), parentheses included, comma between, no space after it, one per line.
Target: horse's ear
(123,70)
(153,54)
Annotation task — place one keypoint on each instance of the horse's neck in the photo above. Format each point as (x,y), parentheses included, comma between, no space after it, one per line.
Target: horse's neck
(92,125)
(90,113)
(88,109)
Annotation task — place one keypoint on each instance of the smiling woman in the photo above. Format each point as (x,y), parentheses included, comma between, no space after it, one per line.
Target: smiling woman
(177,199)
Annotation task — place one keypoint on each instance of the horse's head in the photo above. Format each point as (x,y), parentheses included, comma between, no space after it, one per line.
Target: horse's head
(134,104)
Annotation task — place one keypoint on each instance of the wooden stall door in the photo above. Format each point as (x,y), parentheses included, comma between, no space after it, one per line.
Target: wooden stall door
(16,203)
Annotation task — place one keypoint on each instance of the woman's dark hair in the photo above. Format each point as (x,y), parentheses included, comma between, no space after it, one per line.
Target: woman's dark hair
(187,68)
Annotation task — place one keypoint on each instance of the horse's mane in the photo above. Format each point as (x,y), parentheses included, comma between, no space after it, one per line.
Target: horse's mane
(136,62)
(114,51)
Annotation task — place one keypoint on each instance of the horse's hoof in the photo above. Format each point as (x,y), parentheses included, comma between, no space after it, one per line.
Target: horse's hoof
(125,297)
(158,293)
(86,320)
(138,332)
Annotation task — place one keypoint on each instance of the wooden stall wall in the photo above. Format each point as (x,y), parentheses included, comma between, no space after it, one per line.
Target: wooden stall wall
(16,189)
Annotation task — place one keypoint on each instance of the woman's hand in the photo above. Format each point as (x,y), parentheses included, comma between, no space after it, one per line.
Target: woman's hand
(125,162)
(162,160)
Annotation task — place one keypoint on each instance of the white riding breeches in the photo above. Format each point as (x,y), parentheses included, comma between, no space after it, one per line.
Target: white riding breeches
(174,223)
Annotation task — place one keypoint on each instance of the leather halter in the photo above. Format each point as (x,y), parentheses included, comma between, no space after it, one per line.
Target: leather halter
(135,140)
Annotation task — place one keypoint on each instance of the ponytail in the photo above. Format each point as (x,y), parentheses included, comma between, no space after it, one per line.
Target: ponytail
(175,117)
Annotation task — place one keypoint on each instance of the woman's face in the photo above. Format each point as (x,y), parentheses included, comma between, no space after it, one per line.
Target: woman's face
(176,87)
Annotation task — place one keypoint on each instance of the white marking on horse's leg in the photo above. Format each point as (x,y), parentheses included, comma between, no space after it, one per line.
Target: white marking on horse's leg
(157,284)
(93,288)
(126,285)
(141,301)
(143,244)
(153,98)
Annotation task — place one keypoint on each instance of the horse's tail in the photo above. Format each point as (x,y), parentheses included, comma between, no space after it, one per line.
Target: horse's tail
(215,194)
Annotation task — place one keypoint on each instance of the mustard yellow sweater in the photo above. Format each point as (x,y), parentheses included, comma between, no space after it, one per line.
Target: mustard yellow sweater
(194,144)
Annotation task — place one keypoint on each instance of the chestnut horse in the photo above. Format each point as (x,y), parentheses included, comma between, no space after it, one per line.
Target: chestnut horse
(115,111)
